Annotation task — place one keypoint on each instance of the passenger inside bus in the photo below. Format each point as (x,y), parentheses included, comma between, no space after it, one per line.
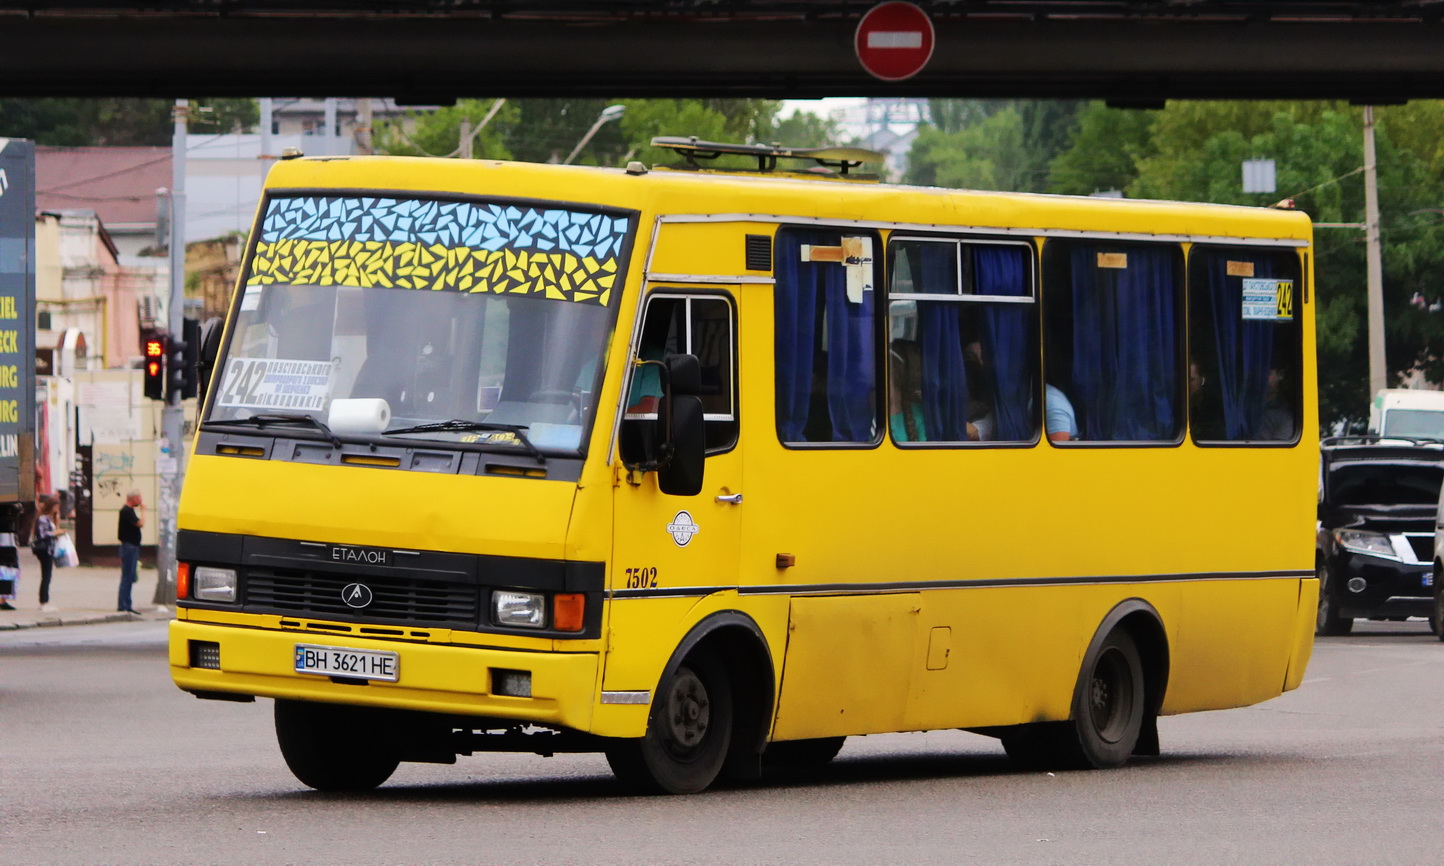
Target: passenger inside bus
(1059,418)
(982,423)
(905,411)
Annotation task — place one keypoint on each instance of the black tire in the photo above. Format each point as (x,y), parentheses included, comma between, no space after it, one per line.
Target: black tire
(1436,619)
(1107,718)
(1108,711)
(688,733)
(1329,623)
(336,748)
(801,754)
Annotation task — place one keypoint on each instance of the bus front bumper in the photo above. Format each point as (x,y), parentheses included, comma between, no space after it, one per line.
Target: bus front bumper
(214,660)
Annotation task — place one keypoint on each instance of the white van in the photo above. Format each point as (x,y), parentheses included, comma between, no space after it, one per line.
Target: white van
(1411,412)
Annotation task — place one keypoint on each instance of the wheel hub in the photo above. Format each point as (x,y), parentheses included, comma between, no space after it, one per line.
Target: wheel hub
(688,710)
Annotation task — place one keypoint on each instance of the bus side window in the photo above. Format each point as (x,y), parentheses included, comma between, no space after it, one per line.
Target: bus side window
(826,364)
(1113,337)
(701,325)
(962,329)
(1244,344)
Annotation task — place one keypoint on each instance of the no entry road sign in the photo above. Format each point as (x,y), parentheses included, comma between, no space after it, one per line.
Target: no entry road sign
(894,40)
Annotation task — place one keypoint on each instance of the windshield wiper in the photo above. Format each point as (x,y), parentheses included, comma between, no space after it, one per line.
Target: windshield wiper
(267,418)
(461,424)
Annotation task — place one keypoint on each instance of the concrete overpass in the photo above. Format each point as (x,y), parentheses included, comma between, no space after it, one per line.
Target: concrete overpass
(1137,52)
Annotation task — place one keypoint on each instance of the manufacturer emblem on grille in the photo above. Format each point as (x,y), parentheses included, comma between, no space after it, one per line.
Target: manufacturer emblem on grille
(357,595)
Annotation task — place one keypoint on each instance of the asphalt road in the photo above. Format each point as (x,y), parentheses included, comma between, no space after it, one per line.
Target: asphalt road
(102,760)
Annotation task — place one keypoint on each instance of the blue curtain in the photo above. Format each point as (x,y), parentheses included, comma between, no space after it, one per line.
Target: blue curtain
(1125,350)
(851,361)
(944,372)
(1244,348)
(1003,271)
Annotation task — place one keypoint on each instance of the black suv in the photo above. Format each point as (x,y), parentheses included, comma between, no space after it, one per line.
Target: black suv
(1375,550)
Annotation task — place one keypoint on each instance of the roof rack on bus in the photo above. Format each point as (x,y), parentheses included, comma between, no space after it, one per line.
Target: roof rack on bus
(840,159)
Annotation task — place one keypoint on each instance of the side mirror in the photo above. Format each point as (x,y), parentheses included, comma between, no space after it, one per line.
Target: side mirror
(211,330)
(684,375)
(674,444)
(681,474)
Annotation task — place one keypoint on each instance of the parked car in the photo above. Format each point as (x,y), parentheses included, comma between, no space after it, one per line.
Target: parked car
(1375,552)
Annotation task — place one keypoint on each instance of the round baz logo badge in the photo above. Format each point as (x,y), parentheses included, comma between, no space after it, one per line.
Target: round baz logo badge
(357,595)
(682,528)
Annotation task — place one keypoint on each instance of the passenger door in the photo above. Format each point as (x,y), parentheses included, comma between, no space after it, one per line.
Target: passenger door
(671,550)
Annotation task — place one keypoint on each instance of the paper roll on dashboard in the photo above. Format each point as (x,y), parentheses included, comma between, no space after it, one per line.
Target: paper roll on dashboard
(362,415)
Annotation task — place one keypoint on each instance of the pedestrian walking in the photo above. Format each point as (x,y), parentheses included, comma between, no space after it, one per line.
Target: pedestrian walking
(42,544)
(132,518)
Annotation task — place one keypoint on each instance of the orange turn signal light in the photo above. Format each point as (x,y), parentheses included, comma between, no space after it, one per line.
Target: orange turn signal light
(569,611)
(182,580)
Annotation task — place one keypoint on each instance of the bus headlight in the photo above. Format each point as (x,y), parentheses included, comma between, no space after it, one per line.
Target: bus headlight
(518,609)
(1372,543)
(213,584)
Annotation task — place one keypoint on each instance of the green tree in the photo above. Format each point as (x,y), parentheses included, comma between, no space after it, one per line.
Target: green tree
(722,120)
(547,130)
(1104,152)
(117,122)
(438,133)
(991,145)
(1194,151)
(805,129)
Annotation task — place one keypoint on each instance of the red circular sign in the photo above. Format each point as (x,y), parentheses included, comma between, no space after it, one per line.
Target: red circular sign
(894,40)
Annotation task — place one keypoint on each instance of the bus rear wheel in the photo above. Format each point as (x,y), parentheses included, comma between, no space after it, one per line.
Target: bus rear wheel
(335,748)
(1107,720)
(687,734)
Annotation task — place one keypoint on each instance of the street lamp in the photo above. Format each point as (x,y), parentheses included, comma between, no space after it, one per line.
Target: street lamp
(611,112)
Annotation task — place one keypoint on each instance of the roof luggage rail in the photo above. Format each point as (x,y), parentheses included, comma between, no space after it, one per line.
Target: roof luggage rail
(840,159)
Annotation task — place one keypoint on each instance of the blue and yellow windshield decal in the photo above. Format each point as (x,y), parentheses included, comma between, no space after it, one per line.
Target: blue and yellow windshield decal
(395,243)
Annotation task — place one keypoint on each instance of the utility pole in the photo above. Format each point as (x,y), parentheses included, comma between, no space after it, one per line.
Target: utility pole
(169,463)
(1378,368)
(363,125)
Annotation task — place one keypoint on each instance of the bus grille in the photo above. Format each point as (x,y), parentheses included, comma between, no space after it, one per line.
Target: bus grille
(395,599)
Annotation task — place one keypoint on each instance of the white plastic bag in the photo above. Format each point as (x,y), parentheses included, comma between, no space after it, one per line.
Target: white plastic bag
(65,555)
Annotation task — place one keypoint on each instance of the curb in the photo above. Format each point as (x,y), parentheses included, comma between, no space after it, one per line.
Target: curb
(81,619)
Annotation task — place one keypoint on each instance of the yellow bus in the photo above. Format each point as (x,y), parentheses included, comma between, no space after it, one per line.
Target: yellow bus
(709,469)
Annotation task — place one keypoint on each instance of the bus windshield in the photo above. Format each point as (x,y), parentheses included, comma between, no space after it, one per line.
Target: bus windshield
(490,336)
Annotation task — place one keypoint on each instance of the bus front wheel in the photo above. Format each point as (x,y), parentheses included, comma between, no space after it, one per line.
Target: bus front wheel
(687,733)
(335,748)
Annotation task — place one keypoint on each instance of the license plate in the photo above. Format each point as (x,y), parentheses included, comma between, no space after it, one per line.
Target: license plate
(339,661)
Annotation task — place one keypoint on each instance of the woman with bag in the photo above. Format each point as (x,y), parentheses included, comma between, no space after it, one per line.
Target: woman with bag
(42,542)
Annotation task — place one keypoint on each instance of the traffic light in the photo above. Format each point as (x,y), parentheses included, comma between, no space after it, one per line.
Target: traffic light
(153,351)
(181,358)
